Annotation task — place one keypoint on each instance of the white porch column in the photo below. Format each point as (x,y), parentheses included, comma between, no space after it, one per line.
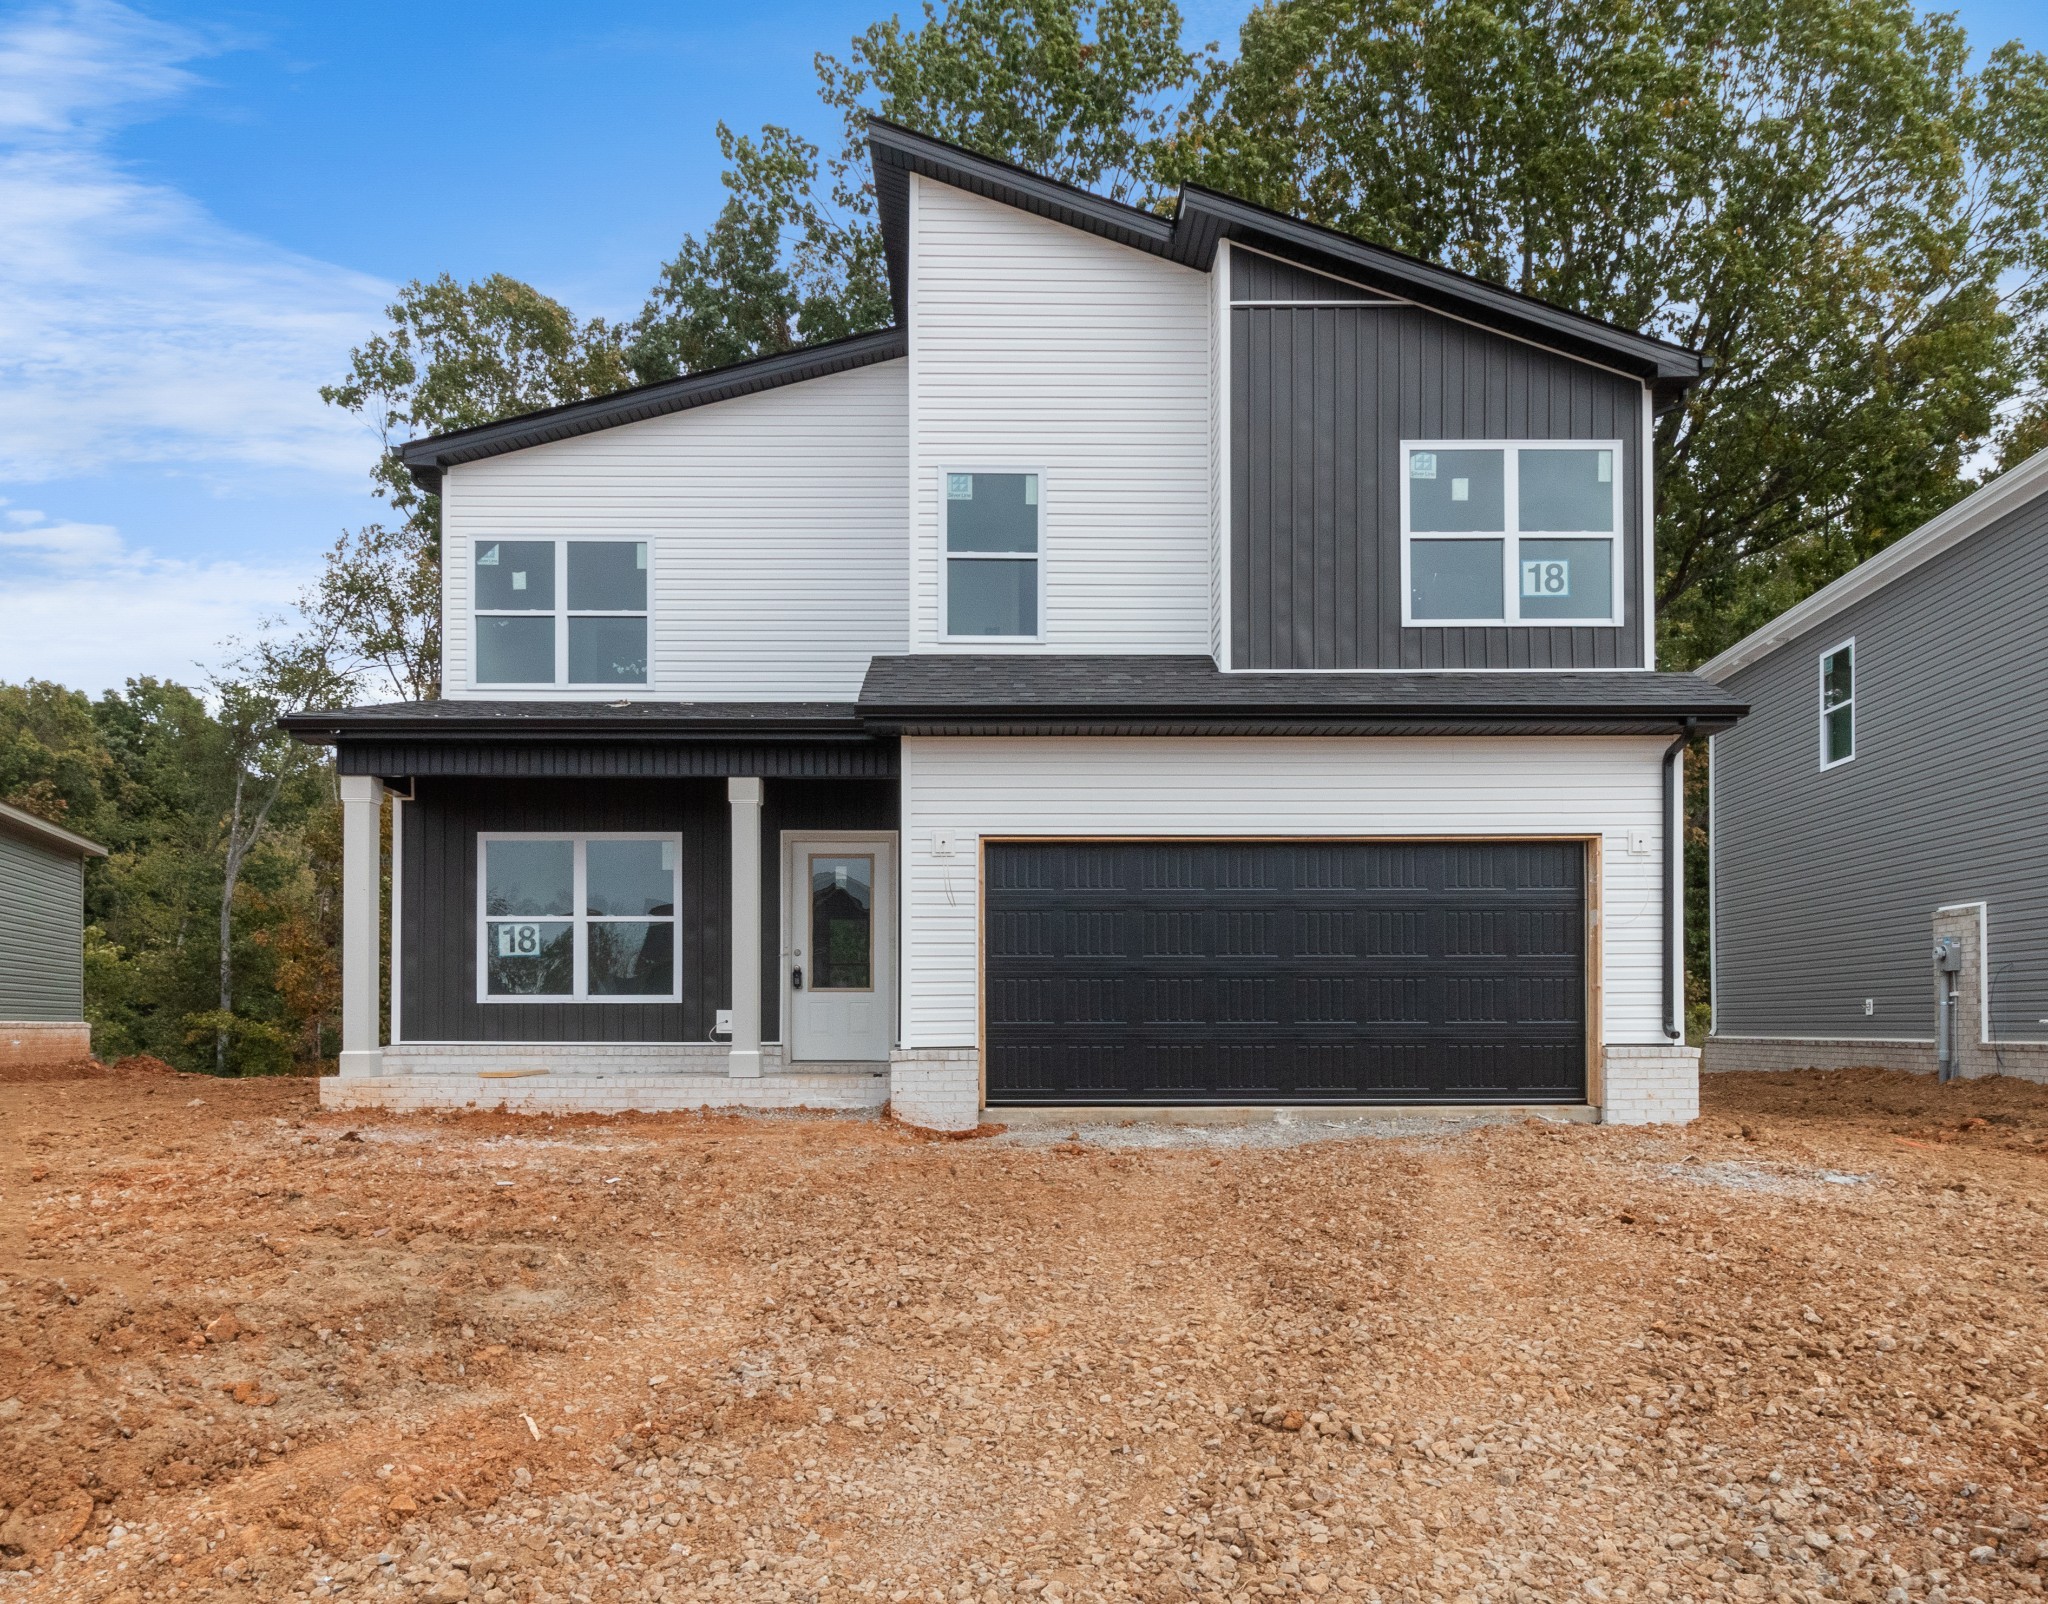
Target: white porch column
(745,1055)
(362,852)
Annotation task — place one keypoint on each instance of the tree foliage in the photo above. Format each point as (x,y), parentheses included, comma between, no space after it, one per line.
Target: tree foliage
(1083,90)
(209,943)
(1821,196)
(452,356)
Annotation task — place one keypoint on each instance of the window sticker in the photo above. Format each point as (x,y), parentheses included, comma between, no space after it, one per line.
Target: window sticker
(1031,490)
(519,579)
(668,855)
(640,555)
(488,558)
(1606,469)
(1422,464)
(959,487)
(1461,490)
(1550,577)
(516,941)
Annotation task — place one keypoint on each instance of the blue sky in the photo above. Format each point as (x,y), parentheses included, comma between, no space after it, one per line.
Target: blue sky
(203,207)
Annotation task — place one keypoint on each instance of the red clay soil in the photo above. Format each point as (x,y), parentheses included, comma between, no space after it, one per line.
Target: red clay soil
(43,1071)
(251,1350)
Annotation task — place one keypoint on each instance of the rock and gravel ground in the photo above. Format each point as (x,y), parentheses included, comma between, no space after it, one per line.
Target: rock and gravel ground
(251,1350)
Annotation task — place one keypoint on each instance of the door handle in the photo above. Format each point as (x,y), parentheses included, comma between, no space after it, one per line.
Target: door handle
(796,978)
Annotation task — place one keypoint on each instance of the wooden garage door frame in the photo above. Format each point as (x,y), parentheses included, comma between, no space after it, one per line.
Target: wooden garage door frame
(1595,932)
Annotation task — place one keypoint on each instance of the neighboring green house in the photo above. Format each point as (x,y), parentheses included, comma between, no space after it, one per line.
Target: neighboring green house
(42,940)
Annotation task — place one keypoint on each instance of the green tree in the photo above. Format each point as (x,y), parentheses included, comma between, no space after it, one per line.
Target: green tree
(453,356)
(1083,90)
(1821,196)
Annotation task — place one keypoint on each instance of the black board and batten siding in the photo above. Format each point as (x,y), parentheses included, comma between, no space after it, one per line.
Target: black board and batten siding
(1321,398)
(438,939)
(1826,881)
(42,932)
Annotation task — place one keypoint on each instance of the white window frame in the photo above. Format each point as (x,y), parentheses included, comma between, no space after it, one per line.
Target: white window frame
(1512,535)
(1821,698)
(578,919)
(561,614)
(947,557)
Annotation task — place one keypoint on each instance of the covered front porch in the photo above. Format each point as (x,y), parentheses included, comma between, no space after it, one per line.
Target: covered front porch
(558,908)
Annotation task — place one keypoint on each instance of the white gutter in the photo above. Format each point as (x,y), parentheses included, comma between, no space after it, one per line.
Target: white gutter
(1967,517)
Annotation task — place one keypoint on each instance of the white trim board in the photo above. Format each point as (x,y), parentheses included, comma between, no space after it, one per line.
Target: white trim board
(1967,517)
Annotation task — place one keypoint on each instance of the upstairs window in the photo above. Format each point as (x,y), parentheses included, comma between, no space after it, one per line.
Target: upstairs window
(577,918)
(561,612)
(1521,533)
(991,528)
(1838,704)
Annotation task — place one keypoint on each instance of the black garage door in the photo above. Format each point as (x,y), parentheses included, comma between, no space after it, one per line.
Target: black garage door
(1324,971)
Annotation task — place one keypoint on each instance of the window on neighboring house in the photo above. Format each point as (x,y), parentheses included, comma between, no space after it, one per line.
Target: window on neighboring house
(991,527)
(578,917)
(561,612)
(1838,704)
(1520,533)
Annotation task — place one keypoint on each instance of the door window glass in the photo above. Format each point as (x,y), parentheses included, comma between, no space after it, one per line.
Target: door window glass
(842,923)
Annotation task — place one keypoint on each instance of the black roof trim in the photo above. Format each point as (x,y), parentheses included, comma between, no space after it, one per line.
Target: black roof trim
(959,693)
(428,458)
(597,721)
(1670,367)
(1204,217)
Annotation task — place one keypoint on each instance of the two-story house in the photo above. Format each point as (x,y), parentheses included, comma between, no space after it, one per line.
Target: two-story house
(1193,660)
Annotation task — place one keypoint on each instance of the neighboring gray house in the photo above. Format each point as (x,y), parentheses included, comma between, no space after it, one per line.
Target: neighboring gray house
(42,939)
(1889,791)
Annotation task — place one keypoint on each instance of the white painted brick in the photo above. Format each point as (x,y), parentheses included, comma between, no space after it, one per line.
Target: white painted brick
(936,1088)
(1650,1084)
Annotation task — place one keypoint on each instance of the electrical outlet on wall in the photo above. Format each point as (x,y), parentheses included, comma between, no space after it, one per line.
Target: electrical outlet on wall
(1869,1006)
(721,1024)
(1639,843)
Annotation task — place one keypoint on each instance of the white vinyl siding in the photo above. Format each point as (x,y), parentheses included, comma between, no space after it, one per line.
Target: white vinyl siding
(775,525)
(1551,785)
(1036,343)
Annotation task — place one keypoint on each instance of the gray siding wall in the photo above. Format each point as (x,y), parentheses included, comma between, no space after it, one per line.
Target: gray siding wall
(42,932)
(437,951)
(1322,398)
(1824,882)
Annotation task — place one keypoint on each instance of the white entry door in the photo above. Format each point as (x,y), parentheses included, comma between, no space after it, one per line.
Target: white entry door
(840,946)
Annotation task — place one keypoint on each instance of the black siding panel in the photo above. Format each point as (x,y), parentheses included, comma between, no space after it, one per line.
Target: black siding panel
(1322,398)
(437,995)
(1265,278)
(510,757)
(1318,971)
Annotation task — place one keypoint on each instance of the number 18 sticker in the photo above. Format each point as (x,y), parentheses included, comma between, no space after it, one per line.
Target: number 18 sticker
(1548,577)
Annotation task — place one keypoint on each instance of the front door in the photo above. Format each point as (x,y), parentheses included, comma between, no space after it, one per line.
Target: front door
(840,938)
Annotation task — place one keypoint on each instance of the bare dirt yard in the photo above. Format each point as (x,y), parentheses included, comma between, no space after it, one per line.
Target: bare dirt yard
(251,1350)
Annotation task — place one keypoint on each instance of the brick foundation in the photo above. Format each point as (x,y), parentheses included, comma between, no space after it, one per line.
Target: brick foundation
(605,1079)
(938,1088)
(1650,1084)
(43,1041)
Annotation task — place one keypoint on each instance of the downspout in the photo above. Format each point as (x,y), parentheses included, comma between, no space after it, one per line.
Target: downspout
(1674,856)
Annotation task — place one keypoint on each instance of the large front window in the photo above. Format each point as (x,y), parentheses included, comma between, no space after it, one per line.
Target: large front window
(991,523)
(1510,533)
(588,917)
(561,612)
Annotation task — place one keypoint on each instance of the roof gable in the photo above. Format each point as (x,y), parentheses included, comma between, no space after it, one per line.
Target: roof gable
(1205,218)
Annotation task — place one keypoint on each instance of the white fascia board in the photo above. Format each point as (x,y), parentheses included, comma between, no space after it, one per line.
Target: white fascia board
(1966,518)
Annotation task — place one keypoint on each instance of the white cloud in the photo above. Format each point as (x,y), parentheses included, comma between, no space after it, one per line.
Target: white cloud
(85,609)
(134,326)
